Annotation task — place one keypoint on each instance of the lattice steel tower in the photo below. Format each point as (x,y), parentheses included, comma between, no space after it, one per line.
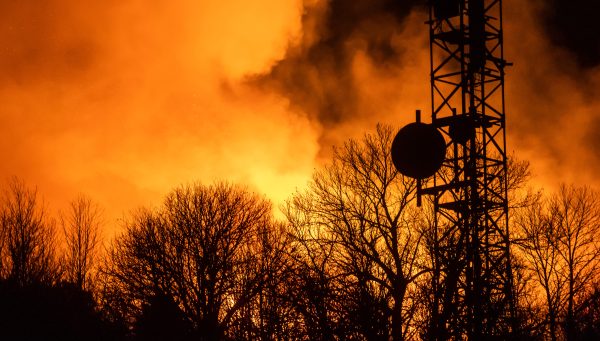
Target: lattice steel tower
(470,190)
(472,289)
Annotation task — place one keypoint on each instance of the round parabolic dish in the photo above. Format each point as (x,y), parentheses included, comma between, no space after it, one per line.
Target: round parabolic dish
(418,150)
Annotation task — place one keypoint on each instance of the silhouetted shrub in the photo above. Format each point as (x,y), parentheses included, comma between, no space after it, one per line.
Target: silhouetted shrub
(43,312)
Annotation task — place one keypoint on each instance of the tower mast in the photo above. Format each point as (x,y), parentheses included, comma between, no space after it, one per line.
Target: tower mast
(473,294)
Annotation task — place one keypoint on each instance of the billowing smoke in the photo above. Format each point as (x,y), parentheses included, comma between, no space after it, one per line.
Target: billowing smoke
(573,25)
(353,64)
(553,91)
(363,62)
(123,100)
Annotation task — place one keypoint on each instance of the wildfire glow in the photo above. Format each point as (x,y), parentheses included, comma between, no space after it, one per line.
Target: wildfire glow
(123,100)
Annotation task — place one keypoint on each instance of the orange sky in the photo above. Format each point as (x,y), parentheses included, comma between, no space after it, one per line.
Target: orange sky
(123,100)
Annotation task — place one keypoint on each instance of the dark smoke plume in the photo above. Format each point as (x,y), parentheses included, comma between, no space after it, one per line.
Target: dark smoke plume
(552,112)
(573,24)
(317,71)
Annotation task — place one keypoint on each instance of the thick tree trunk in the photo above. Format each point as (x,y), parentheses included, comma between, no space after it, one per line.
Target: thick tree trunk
(397,316)
(397,322)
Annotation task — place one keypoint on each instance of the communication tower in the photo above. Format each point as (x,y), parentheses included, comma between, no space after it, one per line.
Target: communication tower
(472,290)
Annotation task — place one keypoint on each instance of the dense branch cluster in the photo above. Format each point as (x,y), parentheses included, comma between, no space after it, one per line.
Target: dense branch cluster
(354,259)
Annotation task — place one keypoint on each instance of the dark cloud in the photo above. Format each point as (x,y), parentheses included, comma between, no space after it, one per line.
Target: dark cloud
(317,72)
(550,90)
(346,20)
(573,24)
(125,99)
(552,105)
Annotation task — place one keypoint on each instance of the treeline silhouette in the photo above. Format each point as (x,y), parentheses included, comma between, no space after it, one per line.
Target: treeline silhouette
(352,260)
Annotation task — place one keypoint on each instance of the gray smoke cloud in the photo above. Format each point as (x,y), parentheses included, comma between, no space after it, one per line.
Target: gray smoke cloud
(572,24)
(319,72)
(552,108)
(552,96)
(124,100)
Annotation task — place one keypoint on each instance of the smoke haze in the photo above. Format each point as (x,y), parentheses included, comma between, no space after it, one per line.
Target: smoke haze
(124,100)
(552,96)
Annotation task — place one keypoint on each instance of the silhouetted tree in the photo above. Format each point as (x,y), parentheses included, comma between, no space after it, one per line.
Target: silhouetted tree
(162,319)
(575,213)
(587,316)
(62,311)
(268,316)
(530,311)
(538,245)
(559,239)
(358,212)
(313,289)
(28,250)
(204,249)
(81,232)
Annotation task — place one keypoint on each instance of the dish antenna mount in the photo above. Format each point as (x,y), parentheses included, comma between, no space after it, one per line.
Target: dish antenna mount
(460,163)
